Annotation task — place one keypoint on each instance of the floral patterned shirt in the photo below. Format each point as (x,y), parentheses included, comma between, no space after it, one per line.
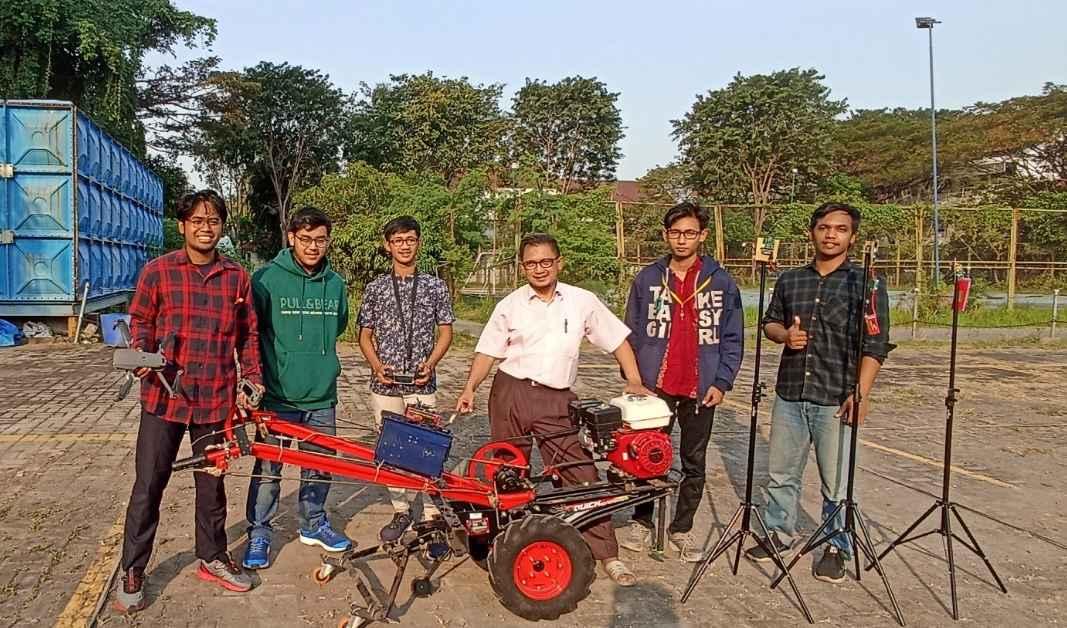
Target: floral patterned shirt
(379,313)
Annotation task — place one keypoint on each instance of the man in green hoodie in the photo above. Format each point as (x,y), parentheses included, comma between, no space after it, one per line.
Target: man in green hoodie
(302,307)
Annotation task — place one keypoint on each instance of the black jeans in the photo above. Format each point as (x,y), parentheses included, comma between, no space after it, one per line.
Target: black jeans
(157,447)
(696,421)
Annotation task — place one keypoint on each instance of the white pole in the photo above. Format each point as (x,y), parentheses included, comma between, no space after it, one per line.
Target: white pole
(1055,311)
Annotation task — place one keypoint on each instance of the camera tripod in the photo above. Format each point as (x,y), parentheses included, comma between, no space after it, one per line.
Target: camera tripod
(945,505)
(855,527)
(741,523)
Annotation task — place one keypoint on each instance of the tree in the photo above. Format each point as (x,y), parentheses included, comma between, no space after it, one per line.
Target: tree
(569,130)
(423,123)
(740,141)
(172,100)
(293,117)
(90,52)
(175,181)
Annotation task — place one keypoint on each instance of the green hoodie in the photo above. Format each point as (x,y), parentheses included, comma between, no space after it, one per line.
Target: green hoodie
(300,318)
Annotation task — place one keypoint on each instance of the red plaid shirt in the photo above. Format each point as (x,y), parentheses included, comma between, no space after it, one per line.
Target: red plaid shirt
(200,315)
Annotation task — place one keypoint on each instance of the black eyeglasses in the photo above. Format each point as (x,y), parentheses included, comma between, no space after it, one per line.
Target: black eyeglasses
(543,263)
(306,241)
(410,241)
(678,234)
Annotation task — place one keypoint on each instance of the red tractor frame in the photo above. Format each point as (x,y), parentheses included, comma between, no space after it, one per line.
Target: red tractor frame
(524,529)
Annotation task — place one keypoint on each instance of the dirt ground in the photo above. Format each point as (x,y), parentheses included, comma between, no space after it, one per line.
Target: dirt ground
(66,460)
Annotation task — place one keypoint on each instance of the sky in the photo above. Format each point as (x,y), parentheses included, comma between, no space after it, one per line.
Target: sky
(659,55)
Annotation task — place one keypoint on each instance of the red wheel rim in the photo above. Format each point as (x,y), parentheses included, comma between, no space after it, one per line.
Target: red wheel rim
(542,570)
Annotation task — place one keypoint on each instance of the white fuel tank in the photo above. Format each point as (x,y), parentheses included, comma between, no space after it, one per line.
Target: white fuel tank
(643,413)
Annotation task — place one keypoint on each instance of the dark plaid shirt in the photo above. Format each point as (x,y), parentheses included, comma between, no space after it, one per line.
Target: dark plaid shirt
(209,311)
(824,371)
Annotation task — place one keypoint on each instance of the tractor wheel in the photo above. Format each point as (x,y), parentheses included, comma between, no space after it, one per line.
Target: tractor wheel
(540,567)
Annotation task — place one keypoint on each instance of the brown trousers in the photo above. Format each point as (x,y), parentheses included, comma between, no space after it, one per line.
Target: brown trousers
(518,407)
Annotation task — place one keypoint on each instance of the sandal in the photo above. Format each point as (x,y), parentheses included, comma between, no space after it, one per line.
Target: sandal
(619,573)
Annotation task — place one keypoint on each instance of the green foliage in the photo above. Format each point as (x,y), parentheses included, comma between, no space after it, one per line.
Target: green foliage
(741,143)
(584,225)
(175,181)
(90,52)
(569,130)
(172,239)
(890,149)
(361,199)
(424,123)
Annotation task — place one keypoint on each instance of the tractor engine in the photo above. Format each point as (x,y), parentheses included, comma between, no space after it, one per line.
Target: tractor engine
(627,432)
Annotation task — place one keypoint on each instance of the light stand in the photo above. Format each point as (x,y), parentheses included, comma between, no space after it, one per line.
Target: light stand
(855,525)
(762,256)
(944,505)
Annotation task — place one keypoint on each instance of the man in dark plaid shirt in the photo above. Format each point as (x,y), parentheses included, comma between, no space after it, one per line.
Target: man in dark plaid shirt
(196,306)
(814,312)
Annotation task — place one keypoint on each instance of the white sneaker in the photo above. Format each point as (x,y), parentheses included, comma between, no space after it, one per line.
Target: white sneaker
(686,547)
(638,538)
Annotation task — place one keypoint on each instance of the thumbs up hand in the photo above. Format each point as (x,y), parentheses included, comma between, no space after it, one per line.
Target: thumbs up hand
(796,338)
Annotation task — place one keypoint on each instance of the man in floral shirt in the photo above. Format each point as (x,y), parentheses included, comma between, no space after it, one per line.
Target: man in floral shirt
(397,320)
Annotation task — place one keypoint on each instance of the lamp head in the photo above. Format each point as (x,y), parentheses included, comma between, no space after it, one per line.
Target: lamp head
(926,22)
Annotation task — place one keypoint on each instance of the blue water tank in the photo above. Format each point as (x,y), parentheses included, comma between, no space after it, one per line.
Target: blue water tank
(79,207)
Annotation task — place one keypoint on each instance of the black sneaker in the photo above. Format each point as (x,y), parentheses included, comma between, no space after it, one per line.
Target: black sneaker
(395,528)
(831,567)
(759,555)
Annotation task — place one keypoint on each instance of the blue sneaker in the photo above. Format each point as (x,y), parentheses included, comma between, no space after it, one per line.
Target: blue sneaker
(257,554)
(327,538)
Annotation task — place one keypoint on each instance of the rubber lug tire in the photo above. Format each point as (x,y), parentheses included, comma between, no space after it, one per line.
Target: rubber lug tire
(506,548)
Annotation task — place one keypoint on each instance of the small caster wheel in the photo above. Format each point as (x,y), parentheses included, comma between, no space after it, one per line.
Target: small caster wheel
(421,587)
(323,574)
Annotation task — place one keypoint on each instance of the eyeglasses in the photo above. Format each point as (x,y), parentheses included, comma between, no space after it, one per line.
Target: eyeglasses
(410,241)
(678,234)
(306,241)
(543,263)
(196,223)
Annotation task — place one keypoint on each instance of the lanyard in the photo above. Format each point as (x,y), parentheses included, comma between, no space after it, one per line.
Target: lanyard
(674,295)
(400,310)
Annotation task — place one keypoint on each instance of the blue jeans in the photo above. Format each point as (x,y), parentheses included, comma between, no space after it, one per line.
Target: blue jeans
(795,426)
(265,489)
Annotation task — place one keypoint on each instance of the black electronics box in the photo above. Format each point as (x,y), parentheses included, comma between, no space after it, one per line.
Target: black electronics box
(602,419)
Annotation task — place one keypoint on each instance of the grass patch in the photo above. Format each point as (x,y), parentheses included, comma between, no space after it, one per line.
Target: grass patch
(471,308)
(1021,316)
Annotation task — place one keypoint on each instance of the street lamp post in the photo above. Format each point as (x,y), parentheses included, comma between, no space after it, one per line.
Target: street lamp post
(793,187)
(928,24)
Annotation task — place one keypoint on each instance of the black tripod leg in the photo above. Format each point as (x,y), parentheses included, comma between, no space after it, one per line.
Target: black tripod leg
(868,548)
(978,547)
(903,538)
(722,542)
(856,552)
(779,562)
(721,546)
(811,543)
(946,531)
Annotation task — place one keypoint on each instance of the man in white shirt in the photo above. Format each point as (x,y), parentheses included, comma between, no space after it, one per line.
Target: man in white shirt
(537,331)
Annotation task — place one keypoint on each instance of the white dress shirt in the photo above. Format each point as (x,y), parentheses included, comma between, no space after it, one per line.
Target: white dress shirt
(540,341)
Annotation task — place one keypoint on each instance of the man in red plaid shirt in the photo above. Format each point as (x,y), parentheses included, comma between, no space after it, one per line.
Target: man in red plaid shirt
(195,305)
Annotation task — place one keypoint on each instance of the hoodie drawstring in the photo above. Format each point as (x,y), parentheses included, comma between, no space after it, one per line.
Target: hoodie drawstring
(303,285)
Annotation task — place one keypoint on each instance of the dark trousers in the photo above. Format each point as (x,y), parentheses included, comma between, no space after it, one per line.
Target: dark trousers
(157,448)
(696,421)
(517,407)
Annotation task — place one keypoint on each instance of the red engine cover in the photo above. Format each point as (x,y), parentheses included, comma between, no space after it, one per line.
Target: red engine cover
(643,453)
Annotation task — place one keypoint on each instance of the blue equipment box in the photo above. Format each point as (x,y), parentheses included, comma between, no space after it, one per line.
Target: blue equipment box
(416,448)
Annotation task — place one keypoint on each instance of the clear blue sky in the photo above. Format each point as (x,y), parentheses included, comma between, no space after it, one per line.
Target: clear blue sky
(660,54)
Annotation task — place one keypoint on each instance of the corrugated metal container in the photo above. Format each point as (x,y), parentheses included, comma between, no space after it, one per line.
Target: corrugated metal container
(75,207)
